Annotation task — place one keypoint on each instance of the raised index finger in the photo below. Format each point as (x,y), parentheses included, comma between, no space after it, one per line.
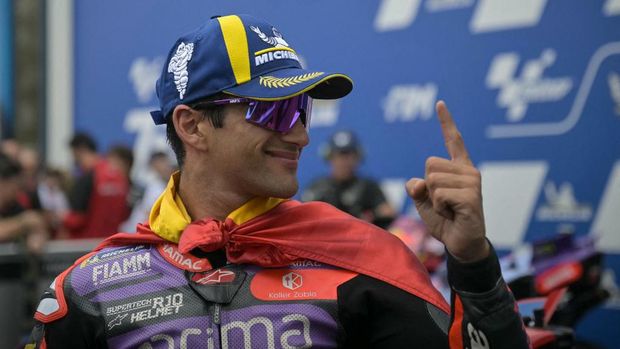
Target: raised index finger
(451,135)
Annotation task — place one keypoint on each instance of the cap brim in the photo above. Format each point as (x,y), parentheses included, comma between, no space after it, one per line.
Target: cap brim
(290,82)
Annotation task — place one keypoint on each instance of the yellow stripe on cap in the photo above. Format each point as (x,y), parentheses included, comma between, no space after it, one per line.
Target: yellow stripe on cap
(236,43)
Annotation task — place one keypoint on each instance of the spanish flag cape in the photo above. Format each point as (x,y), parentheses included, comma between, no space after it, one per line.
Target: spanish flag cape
(272,232)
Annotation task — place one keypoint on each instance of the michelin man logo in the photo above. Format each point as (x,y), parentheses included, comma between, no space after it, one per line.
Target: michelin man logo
(516,93)
(276,40)
(178,66)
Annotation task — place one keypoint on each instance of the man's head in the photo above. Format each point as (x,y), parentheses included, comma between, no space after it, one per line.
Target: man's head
(236,99)
(121,157)
(344,153)
(84,150)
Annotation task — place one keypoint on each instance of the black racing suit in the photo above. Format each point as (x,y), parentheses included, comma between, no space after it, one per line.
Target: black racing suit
(154,297)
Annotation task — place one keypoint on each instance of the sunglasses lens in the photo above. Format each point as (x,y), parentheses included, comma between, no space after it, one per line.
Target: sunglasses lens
(280,116)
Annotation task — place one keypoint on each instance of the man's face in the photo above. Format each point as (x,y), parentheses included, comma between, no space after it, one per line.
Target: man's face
(254,161)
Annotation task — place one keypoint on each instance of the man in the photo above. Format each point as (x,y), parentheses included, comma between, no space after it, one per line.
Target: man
(227,261)
(98,198)
(161,166)
(343,188)
(17,221)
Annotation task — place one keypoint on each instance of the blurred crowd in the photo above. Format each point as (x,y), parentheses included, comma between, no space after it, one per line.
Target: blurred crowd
(94,199)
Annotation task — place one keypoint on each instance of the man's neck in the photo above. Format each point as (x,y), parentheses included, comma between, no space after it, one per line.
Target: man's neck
(203,198)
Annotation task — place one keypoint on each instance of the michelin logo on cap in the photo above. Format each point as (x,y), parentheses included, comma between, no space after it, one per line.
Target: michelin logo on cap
(178,66)
(278,42)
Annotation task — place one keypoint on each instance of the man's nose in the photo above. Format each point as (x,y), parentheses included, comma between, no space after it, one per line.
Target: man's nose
(297,135)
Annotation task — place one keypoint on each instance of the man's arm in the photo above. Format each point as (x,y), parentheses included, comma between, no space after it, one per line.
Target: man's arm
(378,315)
(75,329)
(484,313)
(449,201)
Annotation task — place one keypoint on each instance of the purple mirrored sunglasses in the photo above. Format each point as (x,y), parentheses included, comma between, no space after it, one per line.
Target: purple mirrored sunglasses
(279,116)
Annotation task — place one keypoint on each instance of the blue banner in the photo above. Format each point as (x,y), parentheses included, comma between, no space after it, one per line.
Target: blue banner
(534,86)
(6,68)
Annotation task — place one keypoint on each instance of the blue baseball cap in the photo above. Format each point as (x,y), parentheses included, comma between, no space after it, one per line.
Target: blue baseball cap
(241,56)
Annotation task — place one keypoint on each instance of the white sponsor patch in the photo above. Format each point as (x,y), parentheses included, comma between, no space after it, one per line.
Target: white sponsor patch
(119,269)
(145,309)
(292,281)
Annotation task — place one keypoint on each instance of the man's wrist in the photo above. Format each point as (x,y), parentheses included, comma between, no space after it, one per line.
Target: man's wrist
(477,277)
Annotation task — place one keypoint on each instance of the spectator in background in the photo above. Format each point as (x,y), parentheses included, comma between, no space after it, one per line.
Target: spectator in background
(52,196)
(343,188)
(15,220)
(121,157)
(161,166)
(29,161)
(98,198)
(10,147)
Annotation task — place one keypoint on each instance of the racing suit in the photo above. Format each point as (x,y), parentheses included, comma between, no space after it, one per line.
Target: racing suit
(198,290)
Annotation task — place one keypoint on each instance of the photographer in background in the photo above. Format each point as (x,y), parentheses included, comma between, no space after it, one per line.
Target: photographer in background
(361,197)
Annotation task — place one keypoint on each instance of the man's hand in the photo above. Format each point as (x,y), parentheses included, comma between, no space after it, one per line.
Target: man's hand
(449,198)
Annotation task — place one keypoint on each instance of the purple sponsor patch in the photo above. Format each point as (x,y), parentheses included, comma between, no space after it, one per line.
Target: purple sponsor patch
(278,326)
(122,270)
(194,332)
(261,326)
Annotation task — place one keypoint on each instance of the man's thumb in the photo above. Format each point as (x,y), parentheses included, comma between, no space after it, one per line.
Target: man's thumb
(416,188)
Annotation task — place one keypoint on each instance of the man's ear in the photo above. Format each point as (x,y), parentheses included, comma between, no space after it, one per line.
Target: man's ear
(190,126)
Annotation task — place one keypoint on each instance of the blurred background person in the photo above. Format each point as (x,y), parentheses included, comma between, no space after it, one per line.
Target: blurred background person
(161,166)
(98,197)
(52,193)
(10,147)
(30,163)
(17,222)
(359,196)
(121,157)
